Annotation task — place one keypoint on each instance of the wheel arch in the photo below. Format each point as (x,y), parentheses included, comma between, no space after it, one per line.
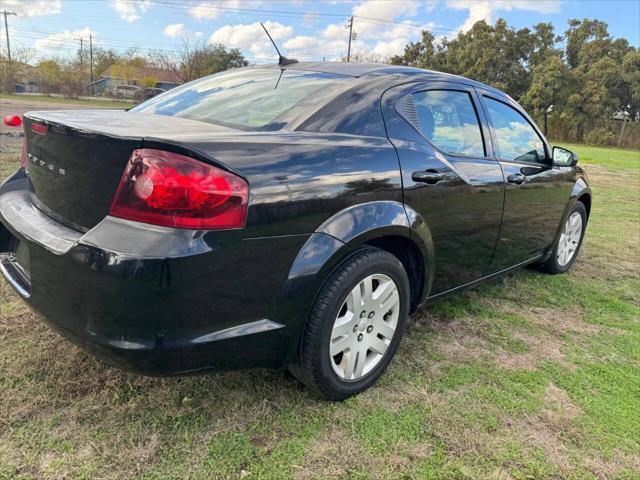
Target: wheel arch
(381,224)
(412,258)
(580,192)
(585,198)
(395,228)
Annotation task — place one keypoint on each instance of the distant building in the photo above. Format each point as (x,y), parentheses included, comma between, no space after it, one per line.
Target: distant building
(165,79)
(24,80)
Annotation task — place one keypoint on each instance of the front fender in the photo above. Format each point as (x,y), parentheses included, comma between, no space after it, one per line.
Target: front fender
(332,242)
(580,188)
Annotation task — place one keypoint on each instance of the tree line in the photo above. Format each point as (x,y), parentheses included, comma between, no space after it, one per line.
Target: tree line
(585,81)
(72,76)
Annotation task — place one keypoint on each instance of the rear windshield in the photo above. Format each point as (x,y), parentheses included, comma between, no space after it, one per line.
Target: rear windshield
(249,99)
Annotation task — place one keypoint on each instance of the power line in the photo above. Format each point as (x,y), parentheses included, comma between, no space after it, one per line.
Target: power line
(111,42)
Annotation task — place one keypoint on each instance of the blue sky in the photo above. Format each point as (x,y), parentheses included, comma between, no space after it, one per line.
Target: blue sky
(307,30)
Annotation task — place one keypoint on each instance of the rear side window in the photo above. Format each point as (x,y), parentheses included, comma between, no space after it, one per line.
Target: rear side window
(248,99)
(448,120)
(515,137)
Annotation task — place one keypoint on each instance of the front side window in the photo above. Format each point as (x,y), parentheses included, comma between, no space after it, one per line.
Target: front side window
(516,139)
(249,99)
(448,120)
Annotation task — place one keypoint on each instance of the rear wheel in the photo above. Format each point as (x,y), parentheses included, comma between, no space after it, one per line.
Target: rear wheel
(355,326)
(569,242)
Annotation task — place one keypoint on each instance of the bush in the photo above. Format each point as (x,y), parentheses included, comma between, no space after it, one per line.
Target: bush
(600,136)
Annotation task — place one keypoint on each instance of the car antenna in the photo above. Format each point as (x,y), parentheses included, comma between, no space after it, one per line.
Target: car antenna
(282,61)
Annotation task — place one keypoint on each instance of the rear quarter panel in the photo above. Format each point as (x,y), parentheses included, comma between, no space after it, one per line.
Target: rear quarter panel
(298,179)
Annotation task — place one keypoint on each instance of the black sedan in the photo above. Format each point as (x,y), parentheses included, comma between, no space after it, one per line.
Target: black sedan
(281,216)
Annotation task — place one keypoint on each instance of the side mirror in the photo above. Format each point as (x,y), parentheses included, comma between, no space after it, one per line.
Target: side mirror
(563,157)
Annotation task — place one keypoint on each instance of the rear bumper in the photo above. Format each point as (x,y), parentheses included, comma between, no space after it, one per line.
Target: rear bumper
(150,299)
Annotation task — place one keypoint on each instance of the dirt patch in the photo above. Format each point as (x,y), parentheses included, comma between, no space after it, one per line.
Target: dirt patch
(558,405)
(463,348)
(545,348)
(606,469)
(333,456)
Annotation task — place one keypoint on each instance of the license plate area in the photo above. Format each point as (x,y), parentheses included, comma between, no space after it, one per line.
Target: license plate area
(15,265)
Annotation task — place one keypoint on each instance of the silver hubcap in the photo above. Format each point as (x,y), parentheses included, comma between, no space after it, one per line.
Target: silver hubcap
(364,327)
(569,239)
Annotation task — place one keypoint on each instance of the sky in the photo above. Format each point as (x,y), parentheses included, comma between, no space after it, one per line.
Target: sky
(304,29)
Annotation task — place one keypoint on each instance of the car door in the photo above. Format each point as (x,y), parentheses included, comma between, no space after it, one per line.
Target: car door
(536,192)
(448,173)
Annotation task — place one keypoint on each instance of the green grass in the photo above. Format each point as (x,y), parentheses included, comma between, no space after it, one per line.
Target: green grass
(527,377)
(613,158)
(65,101)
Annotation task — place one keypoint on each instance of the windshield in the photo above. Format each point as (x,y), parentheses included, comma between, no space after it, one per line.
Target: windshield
(249,99)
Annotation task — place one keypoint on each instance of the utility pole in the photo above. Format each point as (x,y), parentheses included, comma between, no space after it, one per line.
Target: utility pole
(90,63)
(81,70)
(350,35)
(6,31)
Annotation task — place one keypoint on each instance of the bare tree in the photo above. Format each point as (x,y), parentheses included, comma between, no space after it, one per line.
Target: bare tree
(195,60)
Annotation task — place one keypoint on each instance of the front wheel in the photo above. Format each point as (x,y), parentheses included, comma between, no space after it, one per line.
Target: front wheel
(569,242)
(355,325)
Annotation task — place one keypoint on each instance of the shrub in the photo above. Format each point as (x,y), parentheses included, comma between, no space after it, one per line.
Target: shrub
(600,136)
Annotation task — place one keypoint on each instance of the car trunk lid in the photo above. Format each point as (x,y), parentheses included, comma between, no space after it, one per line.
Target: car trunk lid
(76,159)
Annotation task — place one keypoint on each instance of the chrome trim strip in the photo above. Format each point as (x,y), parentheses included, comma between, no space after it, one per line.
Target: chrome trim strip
(258,326)
(7,275)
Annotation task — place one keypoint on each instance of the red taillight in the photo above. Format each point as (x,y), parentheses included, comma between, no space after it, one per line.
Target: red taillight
(39,128)
(12,120)
(169,189)
(23,155)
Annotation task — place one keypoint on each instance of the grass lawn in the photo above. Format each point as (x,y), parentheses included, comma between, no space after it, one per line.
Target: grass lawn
(528,377)
(65,101)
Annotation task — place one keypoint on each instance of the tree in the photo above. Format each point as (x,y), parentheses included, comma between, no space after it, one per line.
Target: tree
(124,70)
(49,73)
(631,76)
(588,82)
(197,60)
(148,82)
(550,84)
(422,54)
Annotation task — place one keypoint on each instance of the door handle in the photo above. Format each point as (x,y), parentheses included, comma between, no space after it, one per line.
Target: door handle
(517,178)
(430,177)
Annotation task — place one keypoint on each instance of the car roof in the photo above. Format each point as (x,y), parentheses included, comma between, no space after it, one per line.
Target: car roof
(363,70)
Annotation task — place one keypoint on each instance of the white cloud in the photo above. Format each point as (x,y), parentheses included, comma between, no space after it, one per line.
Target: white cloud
(211,10)
(311,47)
(390,48)
(63,40)
(130,11)
(335,30)
(174,30)
(35,8)
(301,42)
(487,10)
(385,10)
(392,42)
(251,37)
(382,39)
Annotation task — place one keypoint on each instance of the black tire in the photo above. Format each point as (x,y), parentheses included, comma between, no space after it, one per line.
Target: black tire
(551,265)
(314,367)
